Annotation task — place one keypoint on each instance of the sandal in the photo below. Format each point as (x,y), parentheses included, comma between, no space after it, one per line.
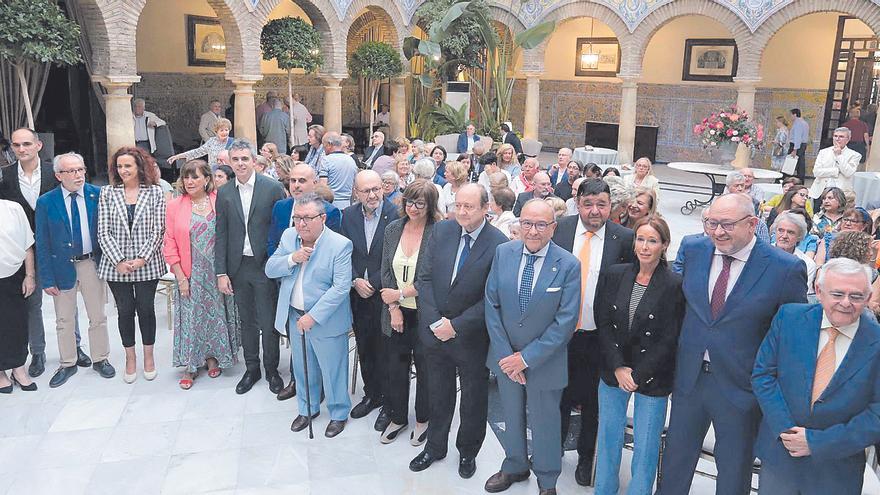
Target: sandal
(187,383)
(215,372)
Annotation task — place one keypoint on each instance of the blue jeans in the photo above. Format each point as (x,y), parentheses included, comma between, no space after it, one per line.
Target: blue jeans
(649,418)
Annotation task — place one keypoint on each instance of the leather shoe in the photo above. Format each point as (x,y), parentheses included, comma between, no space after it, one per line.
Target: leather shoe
(104,368)
(247,382)
(334,428)
(365,407)
(547,491)
(61,376)
(582,473)
(82,359)
(501,481)
(287,392)
(275,383)
(301,422)
(383,420)
(38,365)
(423,461)
(467,466)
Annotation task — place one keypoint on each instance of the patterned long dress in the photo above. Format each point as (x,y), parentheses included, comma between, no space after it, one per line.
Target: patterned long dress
(206,323)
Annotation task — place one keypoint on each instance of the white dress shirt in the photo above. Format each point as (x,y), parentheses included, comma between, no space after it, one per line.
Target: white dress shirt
(83,217)
(246,193)
(30,184)
(473,235)
(140,128)
(597,249)
(736,267)
(297,299)
(843,341)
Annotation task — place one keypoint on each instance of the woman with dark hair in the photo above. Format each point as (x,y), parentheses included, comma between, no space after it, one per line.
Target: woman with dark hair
(131,224)
(386,162)
(611,171)
(205,321)
(405,239)
(501,206)
(222,175)
(853,220)
(833,204)
(796,197)
(438,154)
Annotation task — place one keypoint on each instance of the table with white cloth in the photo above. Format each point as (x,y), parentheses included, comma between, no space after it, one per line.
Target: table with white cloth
(603,157)
(769,190)
(867,188)
(711,171)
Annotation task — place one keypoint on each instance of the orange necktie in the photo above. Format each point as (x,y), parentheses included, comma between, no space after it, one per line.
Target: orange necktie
(825,365)
(584,256)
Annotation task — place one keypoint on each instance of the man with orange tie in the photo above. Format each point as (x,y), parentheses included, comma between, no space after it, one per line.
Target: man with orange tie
(598,244)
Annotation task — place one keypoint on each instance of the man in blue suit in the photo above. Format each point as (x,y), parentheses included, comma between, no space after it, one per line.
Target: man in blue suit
(302,181)
(67,256)
(314,265)
(733,285)
(817,379)
(467,139)
(531,314)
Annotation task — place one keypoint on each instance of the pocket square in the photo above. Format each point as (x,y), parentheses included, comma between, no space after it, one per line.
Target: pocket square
(554,289)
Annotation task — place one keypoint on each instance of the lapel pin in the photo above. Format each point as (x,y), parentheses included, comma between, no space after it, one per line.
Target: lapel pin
(554,268)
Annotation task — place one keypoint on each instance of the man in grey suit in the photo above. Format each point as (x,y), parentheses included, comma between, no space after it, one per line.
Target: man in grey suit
(244,214)
(531,315)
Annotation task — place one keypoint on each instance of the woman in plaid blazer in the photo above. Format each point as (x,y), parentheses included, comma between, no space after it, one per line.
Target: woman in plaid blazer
(131,225)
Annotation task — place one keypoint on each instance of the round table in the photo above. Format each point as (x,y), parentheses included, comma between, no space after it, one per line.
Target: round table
(603,157)
(713,170)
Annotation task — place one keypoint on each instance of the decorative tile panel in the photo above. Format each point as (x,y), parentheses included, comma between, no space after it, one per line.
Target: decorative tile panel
(754,12)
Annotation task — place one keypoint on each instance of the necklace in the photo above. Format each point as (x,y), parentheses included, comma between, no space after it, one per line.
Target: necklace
(202,205)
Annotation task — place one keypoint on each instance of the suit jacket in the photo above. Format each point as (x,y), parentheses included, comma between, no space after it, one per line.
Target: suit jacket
(363,257)
(521,200)
(143,239)
(769,279)
(541,334)
(846,418)
(563,190)
(281,221)
(177,247)
(513,140)
(368,151)
(461,145)
(206,125)
(325,282)
(151,131)
(55,240)
(392,239)
(11,190)
(678,264)
(230,223)
(618,247)
(648,345)
(461,301)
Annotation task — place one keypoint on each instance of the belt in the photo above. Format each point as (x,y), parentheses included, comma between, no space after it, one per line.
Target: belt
(707,367)
(82,257)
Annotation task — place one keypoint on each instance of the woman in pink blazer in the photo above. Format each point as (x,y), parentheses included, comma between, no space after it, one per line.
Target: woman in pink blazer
(206,329)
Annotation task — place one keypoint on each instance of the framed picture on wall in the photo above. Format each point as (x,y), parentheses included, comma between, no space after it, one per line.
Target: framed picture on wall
(710,60)
(205,43)
(598,57)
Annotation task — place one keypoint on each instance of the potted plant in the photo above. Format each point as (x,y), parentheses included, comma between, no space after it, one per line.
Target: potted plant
(375,61)
(724,130)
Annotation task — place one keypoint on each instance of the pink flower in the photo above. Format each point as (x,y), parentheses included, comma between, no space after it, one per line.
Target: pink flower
(698,129)
(719,125)
(730,132)
(760,132)
(733,117)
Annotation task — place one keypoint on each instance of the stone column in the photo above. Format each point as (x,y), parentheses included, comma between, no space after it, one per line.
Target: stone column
(873,162)
(626,136)
(117,110)
(245,125)
(333,102)
(532,114)
(398,107)
(745,100)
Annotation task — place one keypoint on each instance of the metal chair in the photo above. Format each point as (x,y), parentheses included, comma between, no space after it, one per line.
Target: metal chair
(166,288)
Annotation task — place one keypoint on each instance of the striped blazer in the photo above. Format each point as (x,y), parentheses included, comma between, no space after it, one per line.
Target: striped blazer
(143,240)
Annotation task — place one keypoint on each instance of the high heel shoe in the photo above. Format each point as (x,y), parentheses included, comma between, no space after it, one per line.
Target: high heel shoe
(6,390)
(150,375)
(27,388)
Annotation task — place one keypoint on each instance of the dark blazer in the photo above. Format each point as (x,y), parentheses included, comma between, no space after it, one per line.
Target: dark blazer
(460,301)
(513,140)
(389,246)
(281,221)
(563,190)
(369,151)
(365,257)
(521,200)
(10,189)
(618,246)
(230,223)
(461,145)
(648,346)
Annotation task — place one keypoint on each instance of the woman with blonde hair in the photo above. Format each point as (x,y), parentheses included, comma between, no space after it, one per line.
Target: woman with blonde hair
(456,176)
(213,146)
(644,176)
(643,205)
(507,159)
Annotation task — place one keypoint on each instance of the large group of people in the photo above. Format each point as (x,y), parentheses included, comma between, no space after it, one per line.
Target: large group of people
(552,280)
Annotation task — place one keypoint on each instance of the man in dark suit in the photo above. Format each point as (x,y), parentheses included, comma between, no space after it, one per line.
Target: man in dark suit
(598,243)
(733,285)
(510,137)
(375,150)
(542,188)
(452,327)
(244,213)
(574,169)
(815,429)
(363,223)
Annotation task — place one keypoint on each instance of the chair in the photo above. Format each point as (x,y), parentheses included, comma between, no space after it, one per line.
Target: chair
(531,147)
(448,141)
(166,288)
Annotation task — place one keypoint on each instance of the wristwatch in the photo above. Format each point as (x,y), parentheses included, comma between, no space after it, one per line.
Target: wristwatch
(400,300)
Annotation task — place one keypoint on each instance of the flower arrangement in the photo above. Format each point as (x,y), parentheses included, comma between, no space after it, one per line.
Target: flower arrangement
(730,125)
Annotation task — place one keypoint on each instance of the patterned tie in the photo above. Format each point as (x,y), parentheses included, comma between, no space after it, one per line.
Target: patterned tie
(75,225)
(584,257)
(719,293)
(465,251)
(825,365)
(525,284)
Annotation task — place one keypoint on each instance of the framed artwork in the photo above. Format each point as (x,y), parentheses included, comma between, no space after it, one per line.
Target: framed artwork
(205,43)
(598,57)
(710,60)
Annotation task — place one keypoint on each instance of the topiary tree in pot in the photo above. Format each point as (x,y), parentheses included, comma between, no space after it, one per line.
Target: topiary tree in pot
(375,61)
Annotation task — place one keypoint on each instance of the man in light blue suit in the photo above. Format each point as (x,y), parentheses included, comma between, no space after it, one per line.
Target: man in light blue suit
(314,265)
(817,379)
(531,314)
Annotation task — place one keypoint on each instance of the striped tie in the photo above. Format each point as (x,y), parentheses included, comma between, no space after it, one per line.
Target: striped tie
(825,365)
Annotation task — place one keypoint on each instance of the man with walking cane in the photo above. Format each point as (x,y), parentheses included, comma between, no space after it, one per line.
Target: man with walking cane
(314,265)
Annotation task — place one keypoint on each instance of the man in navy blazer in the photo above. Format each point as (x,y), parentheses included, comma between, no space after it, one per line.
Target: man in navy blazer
(467,139)
(817,380)
(733,285)
(67,256)
(302,181)
(533,297)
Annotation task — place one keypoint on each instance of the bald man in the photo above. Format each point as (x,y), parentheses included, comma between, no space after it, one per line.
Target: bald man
(542,188)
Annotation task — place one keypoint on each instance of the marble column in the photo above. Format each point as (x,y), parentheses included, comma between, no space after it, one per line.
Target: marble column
(245,125)
(745,100)
(333,102)
(398,107)
(532,112)
(873,162)
(117,111)
(626,136)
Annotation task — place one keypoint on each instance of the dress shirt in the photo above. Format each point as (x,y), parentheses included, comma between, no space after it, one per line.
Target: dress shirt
(297,299)
(844,339)
(736,267)
(470,144)
(15,237)
(834,170)
(800,133)
(473,235)
(83,218)
(371,224)
(246,193)
(140,128)
(30,185)
(539,262)
(597,249)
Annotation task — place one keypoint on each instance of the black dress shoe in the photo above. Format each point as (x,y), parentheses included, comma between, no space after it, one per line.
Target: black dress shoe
(6,390)
(104,368)
(583,472)
(365,407)
(467,466)
(334,428)
(301,422)
(287,392)
(247,382)
(61,376)
(383,420)
(27,388)
(82,359)
(275,383)
(501,481)
(423,461)
(38,365)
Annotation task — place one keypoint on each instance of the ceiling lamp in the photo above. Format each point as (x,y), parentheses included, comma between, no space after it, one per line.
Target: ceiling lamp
(590,59)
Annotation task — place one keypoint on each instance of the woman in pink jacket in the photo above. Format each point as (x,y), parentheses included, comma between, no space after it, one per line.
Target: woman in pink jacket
(206,329)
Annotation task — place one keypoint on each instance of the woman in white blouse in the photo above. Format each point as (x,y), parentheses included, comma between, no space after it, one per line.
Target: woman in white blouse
(644,176)
(456,176)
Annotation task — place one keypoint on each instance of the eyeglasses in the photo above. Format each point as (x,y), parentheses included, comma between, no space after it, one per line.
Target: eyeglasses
(299,219)
(851,220)
(539,226)
(74,172)
(419,204)
(802,194)
(726,226)
(855,297)
(372,190)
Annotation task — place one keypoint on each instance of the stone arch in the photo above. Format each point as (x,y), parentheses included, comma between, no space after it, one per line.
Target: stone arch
(381,10)
(92,17)
(501,14)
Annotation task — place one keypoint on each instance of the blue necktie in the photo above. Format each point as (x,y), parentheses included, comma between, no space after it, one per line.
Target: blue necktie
(465,251)
(75,226)
(525,284)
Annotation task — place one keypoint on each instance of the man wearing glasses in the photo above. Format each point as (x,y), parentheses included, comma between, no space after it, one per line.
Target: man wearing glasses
(733,284)
(376,148)
(835,166)
(314,265)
